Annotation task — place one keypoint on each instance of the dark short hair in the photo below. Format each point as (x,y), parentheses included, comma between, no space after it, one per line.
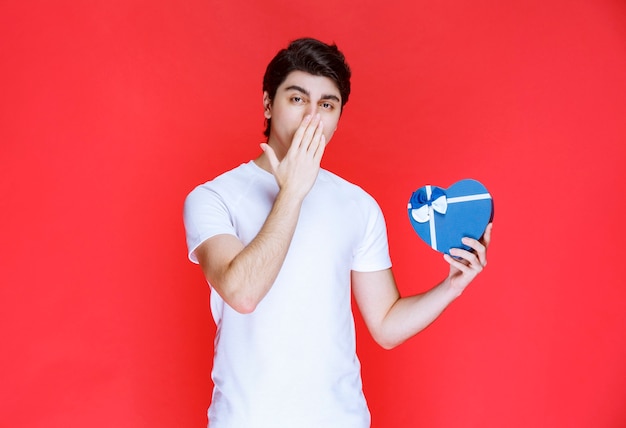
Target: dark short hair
(313,57)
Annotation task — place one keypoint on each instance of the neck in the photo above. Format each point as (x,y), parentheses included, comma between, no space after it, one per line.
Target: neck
(263,160)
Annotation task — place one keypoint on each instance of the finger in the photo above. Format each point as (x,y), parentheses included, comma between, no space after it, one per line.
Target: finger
(309,132)
(472,259)
(271,156)
(319,152)
(297,139)
(486,239)
(478,248)
(316,138)
(456,263)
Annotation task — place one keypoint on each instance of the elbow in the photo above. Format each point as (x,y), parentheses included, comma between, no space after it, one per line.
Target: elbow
(386,342)
(243,306)
(240,301)
(387,345)
(234,296)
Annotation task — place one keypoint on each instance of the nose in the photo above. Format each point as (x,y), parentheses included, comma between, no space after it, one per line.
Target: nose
(311,110)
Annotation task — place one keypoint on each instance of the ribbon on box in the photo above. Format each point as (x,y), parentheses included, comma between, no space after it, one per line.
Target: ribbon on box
(425,201)
(428,200)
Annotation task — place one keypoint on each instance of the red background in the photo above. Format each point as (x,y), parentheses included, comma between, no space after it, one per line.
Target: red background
(112,111)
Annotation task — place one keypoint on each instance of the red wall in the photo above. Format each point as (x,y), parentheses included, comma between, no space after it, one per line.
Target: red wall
(111,111)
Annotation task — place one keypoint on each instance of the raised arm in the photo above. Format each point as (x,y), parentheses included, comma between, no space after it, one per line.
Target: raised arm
(392,319)
(243,275)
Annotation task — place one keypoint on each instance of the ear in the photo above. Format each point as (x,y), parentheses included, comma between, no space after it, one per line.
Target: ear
(267,105)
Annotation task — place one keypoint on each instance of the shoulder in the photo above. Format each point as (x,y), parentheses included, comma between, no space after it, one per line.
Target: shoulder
(347,189)
(341,183)
(228,183)
(232,177)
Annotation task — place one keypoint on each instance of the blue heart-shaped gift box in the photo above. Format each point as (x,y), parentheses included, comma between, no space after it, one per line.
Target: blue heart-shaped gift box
(442,217)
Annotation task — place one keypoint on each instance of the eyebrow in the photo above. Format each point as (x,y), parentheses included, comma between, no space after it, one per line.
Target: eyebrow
(308,94)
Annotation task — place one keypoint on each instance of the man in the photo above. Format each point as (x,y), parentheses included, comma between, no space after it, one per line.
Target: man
(281,243)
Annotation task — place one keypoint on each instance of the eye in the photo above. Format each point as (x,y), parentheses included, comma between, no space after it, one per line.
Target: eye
(297,99)
(327,106)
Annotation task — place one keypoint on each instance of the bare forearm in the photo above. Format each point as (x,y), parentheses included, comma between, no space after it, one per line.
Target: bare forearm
(392,319)
(410,315)
(245,281)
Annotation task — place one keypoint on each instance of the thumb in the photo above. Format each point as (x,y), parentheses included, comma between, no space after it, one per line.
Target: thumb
(271,156)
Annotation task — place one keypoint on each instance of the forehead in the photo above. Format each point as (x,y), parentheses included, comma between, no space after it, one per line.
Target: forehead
(311,83)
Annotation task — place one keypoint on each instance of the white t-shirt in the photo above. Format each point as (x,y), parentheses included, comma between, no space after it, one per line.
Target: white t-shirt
(292,362)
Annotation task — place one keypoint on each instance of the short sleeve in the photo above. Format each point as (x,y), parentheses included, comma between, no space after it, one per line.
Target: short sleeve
(373,252)
(205,215)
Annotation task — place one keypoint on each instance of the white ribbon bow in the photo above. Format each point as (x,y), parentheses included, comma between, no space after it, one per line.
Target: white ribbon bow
(425,212)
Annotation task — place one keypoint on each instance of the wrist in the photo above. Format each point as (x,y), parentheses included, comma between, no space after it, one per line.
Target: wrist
(289,200)
(451,289)
(291,194)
